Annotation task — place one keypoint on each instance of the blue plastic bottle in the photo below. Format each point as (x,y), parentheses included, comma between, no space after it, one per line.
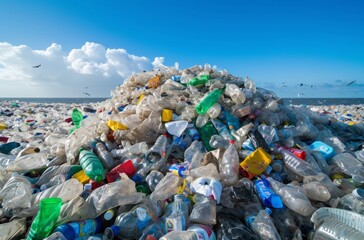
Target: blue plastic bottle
(267,195)
(74,230)
(7,147)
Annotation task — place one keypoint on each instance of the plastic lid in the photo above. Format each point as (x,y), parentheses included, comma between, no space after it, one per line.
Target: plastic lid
(358,179)
(269,211)
(109,214)
(358,193)
(231,141)
(98,178)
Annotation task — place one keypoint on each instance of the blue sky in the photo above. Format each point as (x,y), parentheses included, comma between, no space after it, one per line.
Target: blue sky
(278,44)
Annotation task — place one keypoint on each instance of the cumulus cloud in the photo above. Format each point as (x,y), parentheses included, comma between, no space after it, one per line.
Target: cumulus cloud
(66,74)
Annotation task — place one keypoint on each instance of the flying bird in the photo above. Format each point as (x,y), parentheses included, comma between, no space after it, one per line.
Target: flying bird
(37,66)
(86,94)
(351,83)
(301,84)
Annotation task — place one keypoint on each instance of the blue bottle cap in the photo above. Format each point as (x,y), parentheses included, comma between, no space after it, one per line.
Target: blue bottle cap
(276,201)
(269,211)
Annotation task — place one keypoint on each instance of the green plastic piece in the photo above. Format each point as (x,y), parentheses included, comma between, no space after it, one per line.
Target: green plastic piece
(199,80)
(206,132)
(208,101)
(45,221)
(92,165)
(77,117)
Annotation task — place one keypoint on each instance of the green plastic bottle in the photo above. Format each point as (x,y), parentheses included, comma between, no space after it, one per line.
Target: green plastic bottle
(77,117)
(208,101)
(45,221)
(206,132)
(199,80)
(92,165)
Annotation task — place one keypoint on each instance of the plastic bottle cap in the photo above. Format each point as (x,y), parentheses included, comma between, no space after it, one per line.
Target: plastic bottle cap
(358,193)
(99,178)
(269,211)
(231,141)
(43,187)
(109,214)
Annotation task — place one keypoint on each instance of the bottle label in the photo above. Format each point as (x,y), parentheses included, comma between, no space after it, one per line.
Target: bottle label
(175,223)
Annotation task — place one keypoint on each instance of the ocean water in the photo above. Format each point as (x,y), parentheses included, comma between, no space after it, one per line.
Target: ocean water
(287,101)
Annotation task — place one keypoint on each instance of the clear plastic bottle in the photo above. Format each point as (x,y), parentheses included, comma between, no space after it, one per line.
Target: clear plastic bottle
(184,235)
(167,187)
(263,226)
(158,151)
(235,93)
(204,211)
(317,191)
(218,141)
(332,229)
(229,166)
(347,163)
(293,197)
(177,220)
(353,201)
(104,155)
(214,111)
(153,178)
(50,172)
(135,149)
(296,164)
(221,129)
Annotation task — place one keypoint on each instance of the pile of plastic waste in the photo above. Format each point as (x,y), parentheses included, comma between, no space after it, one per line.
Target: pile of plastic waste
(180,154)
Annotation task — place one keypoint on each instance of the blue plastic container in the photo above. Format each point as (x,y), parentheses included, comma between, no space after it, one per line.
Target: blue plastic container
(327,151)
(267,195)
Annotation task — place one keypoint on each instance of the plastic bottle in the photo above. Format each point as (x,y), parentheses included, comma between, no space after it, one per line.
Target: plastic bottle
(285,223)
(229,166)
(76,117)
(92,165)
(166,187)
(153,178)
(317,191)
(208,100)
(74,230)
(201,120)
(206,132)
(50,172)
(199,80)
(214,111)
(235,93)
(296,164)
(263,226)
(156,230)
(104,155)
(293,197)
(221,129)
(231,120)
(353,202)
(204,211)
(267,195)
(135,149)
(177,221)
(46,218)
(218,141)
(132,223)
(158,151)
(347,163)
(192,132)
(56,180)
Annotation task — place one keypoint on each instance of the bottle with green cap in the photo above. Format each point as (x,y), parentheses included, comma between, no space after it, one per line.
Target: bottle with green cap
(208,100)
(199,80)
(92,165)
(45,221)
(77,117)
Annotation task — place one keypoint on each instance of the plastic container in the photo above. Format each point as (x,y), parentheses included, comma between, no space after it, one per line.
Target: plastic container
(267,195)
(209,99)
(229,166)
(256,162)
(126,167)
(46,218)
(92,165)
(104,155)
(323,148)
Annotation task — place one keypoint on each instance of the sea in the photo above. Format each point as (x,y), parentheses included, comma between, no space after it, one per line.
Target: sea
(286,101)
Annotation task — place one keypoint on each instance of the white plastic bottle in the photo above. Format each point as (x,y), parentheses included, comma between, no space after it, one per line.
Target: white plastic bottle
(229,166)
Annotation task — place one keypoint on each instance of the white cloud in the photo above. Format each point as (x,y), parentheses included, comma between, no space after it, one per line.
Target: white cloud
(66,74)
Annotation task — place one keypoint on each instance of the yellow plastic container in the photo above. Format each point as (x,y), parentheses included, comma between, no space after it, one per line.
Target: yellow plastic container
(114,125)
(154,82)
(256,162)
(167,115)
(3,126)
(81,176)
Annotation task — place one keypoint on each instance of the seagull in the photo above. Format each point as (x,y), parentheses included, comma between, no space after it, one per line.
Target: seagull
(86,94)
(37,66)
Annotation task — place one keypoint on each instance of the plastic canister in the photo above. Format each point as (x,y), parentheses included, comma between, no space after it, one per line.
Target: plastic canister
(126,167)
(256,162)
(323,148)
